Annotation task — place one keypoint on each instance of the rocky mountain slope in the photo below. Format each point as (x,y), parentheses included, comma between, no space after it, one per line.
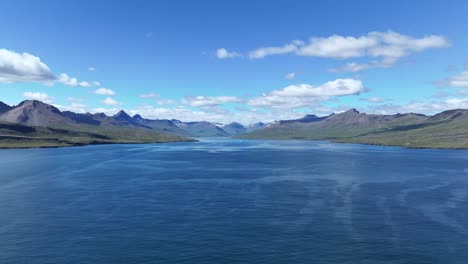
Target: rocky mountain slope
(448,129)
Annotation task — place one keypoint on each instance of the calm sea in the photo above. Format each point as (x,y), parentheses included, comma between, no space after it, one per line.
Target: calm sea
(234,201)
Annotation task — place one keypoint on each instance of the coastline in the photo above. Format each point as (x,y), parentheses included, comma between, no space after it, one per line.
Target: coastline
(37,145)
(362,143)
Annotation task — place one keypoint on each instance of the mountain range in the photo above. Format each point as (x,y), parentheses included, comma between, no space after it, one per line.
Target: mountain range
(448,129)
(39,124)
(44,119)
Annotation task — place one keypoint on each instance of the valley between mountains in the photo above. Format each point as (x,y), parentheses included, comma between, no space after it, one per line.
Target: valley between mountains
(37,124)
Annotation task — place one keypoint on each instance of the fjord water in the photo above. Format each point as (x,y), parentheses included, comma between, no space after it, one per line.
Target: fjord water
(234,201)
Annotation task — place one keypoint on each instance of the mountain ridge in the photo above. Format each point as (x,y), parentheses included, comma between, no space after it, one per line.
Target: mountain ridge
(447,129)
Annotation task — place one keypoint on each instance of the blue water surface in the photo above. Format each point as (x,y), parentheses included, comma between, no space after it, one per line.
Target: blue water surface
(234,201)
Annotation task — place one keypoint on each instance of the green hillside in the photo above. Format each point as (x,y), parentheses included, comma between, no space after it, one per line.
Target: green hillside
(448,129)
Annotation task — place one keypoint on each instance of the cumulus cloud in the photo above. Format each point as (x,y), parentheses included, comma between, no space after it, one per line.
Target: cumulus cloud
(457,81)
(386,48)
(105,91)
(72,81)
(91,69)
(428,107)
(223,53)
(110,101)
(24,67)
(304,95)
(43,97)
(208,101)
(73,107)
(290,76)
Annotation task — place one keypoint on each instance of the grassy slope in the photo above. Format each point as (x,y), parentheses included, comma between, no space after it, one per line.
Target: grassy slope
(430,134)
(438,135)
(18,136)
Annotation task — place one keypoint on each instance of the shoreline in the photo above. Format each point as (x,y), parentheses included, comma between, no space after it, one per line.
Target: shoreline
(357,143)
(93,144)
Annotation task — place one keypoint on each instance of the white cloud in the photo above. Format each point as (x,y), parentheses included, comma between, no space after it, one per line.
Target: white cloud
(429,107)
(290,76)
(305,95)
(166,102)
(84,84)
(373,100)
(43,97)
(110,101)
(16,67)
(208,101)
(96,83)
(458,81)
(105,91)
(73,107)
(337,47)
(223,53)
(386,48)
(149,95)
(263,52)
(338,87)
(72,81)
(356,67)
(91,69)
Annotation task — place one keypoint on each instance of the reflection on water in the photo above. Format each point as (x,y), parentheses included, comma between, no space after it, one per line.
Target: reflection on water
(234,201)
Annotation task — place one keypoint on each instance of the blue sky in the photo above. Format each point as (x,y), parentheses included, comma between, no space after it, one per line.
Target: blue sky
(235,60)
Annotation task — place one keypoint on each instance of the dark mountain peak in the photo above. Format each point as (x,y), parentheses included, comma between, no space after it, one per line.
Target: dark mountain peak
(81,118)
(35,105)
(256,126)
(137,117)
(449,114)
(304,119)
(35,113)
(234,128)
(235,124)
(122,115)
(310,118)
(4,107)
(352,111)
(101,115)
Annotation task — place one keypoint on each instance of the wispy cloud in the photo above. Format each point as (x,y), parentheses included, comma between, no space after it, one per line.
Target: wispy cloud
(209,101)
(268,51)
(373,100)
(290,76)
(223,53)
(426,107)
(110,101)
(39,96)
(149,95)
(105,91)
(457,81)
(384,49)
